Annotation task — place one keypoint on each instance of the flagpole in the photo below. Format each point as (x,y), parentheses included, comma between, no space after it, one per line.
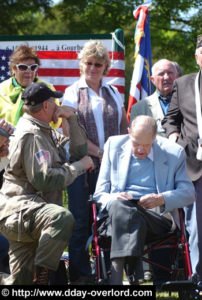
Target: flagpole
(141,85)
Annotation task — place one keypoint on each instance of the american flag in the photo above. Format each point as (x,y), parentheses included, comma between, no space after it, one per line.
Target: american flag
(4,64)
(141,85)
(61,68)
(43,156)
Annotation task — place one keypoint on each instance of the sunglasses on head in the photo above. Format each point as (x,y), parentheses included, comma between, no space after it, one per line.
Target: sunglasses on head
(23,67)
(97,65)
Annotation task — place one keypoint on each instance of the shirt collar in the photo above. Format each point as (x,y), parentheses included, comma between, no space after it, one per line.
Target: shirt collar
(164,98)
(83,84)
(150,155)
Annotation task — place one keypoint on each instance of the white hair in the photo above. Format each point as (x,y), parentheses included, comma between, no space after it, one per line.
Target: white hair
(161,61)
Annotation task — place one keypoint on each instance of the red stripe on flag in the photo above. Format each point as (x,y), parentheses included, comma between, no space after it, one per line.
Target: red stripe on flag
(131,101)
(75,72)
(116,73)
(120,88)
(57,54)
(59,72)
(73,55)
(61,87)
(116,55)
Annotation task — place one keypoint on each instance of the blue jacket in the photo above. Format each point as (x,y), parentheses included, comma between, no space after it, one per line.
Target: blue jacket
(171,176)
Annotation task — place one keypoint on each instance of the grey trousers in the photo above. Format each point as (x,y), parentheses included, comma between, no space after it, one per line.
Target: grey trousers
(131,228)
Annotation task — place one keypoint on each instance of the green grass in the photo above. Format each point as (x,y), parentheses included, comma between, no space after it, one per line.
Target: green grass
(165,295)
(65,198)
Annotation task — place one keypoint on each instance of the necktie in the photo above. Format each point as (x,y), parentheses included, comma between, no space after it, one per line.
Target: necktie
(165,103)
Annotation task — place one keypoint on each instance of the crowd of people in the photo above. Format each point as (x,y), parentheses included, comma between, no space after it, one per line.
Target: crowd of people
(120,164)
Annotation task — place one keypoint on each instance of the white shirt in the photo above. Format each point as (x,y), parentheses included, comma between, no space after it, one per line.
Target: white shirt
(71,99)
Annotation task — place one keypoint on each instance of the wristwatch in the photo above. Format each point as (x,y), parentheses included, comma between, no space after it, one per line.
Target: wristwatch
(100,152)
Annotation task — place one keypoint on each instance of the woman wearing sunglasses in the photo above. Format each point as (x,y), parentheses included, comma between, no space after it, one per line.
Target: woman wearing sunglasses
(24,64)
(102,113)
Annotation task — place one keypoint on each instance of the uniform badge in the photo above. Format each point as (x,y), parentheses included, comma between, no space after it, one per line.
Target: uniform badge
(43,156)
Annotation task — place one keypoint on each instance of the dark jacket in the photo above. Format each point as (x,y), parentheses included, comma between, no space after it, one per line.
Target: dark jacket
(181,118)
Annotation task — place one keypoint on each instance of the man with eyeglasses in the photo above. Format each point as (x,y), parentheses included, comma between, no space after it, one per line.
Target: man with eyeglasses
(32,217)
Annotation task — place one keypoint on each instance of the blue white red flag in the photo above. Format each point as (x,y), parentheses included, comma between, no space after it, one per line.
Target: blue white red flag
(141,85)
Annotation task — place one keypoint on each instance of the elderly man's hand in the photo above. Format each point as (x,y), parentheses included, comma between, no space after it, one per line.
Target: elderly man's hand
(151,200)
(63,112)
(4,149)
(124,196)
(5,131)
(88,163)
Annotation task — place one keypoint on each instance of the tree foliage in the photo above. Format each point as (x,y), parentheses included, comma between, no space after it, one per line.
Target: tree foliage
(18,16)
(174,25)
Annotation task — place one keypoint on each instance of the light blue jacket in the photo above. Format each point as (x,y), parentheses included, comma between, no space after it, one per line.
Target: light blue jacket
(171,176)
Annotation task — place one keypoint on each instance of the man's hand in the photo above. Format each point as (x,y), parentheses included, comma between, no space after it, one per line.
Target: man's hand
(151,200)
(173,136)
(63,112)
(4,149)
(88,163)
(124,196)
(8,129)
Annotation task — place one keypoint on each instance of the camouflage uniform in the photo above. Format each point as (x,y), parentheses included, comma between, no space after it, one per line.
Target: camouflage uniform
(32,217)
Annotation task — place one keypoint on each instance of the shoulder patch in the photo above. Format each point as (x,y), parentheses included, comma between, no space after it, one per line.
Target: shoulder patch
(43,156)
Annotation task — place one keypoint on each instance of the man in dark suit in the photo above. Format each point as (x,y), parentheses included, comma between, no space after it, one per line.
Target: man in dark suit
(183,125)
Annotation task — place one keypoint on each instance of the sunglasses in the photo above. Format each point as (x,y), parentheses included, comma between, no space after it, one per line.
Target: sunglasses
(23,67)
(97,65)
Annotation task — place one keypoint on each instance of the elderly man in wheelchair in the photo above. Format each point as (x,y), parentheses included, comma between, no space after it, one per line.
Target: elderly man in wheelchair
(141,185)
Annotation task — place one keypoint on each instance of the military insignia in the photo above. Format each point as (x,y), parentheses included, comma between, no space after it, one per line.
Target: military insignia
(43,156)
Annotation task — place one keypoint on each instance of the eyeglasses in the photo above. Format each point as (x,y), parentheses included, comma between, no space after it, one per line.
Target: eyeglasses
(23,67)
(97,65)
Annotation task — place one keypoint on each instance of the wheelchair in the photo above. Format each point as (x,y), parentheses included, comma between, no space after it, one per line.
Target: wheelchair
(179,268)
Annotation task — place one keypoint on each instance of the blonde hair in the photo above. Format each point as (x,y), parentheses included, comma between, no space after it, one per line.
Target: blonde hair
(96,50)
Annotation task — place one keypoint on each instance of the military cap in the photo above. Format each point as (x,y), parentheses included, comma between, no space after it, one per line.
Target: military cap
(37,93)
(199,41)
